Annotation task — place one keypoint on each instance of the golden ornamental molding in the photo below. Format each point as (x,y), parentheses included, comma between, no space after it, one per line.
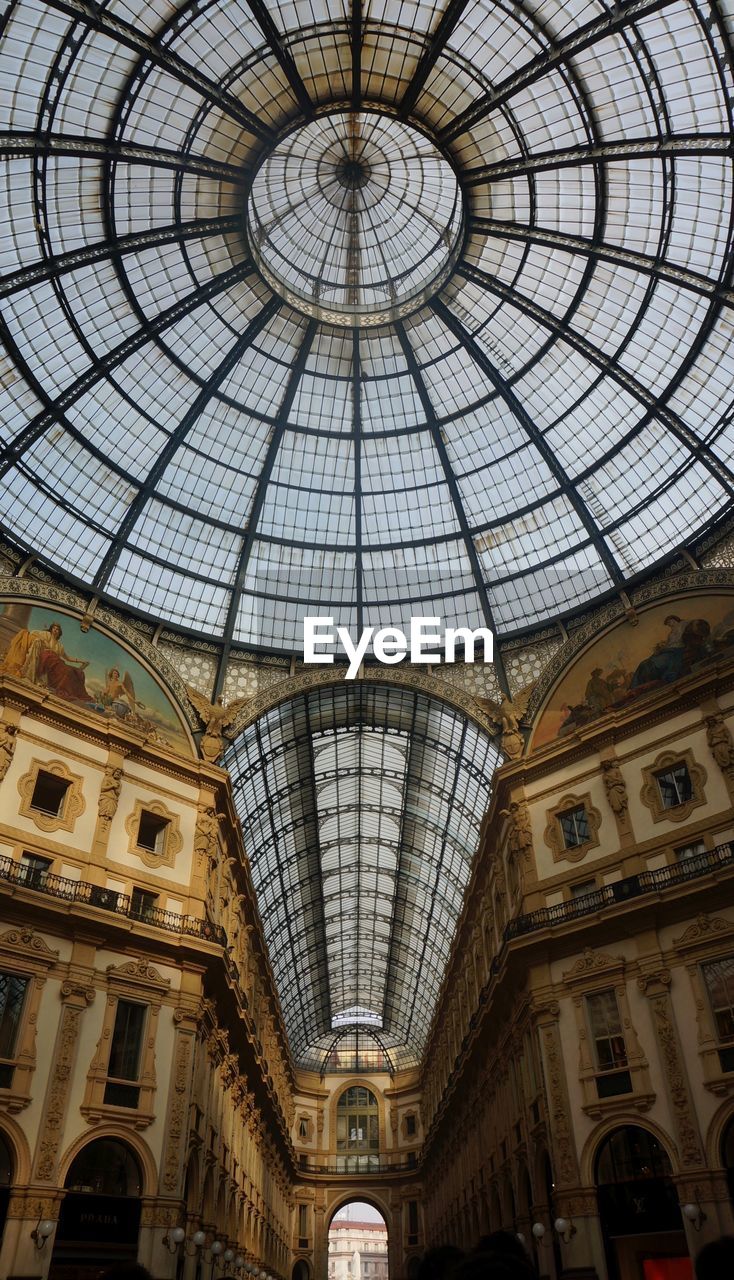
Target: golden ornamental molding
(594,964)
(138,972)
(25,941)
(706,929)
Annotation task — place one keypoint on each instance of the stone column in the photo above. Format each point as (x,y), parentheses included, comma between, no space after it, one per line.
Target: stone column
(694,1181)
(581,1252)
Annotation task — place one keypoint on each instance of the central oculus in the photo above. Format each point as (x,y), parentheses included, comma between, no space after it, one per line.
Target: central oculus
(355,218)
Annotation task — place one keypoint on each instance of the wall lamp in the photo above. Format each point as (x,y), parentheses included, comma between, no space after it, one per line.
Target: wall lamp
(694,1214)
(538,1231)
(173,1238)
(41,1233)
(565,1229)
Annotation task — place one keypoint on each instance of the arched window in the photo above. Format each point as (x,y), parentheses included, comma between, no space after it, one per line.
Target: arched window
(630,1155)
(635,1189)
(357,1129)
(105,1167)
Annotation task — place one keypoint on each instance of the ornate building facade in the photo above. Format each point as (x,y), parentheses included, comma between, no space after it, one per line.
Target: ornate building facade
(575,1086)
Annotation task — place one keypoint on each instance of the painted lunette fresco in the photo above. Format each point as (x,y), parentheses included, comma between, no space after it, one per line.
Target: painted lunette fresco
(88,668)
(671,640)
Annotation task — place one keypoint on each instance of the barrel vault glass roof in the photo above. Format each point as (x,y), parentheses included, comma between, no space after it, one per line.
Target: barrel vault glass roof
(361,807)
(544,414)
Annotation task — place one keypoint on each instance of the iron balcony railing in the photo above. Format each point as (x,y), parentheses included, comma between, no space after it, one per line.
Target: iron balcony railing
(352,1164)
(699,864)
(95,895)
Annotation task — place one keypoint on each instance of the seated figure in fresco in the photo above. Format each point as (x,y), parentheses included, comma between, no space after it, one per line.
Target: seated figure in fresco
(39,656)
(685,644)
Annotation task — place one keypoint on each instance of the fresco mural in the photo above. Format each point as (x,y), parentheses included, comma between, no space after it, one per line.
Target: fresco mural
(671,640)
(49,649)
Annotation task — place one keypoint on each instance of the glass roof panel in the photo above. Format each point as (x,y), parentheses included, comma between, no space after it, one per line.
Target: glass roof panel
(309,314)
(360,809)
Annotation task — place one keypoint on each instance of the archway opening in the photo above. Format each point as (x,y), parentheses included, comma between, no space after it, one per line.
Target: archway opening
(99,1221)
(358,1243)
(638,1207)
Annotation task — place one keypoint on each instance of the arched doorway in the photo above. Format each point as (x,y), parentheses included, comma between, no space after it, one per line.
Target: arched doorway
(100,1214)
(358,1243)
(6,1180)
(638,1208)
(357,1130)
(300,1270)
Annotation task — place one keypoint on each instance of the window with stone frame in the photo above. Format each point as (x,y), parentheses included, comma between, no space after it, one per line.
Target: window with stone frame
(574,824)
(609,1043)
(719,978)
(13,990)
(121,1080)
(675,786)
(123,1067)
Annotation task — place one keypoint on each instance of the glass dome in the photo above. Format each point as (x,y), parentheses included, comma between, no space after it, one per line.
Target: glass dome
(365,310)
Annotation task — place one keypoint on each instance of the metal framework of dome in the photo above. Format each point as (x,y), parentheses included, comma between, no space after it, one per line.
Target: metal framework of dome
(364,310)
(360,807)
(545,411)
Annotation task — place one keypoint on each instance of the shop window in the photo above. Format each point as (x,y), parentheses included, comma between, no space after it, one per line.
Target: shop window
(719,979)
(122,1089)
(12,999)
(607,1037)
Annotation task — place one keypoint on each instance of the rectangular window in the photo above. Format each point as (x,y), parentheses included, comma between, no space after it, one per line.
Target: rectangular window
(719,978)
(410,1126)
(687,851)
(124,1061)
(33,870)
(675,786)
(152,831)
(303,1221)
(583,888)
(606,1031)
(12,999)
(574,827)
(143,904)
(49,793)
